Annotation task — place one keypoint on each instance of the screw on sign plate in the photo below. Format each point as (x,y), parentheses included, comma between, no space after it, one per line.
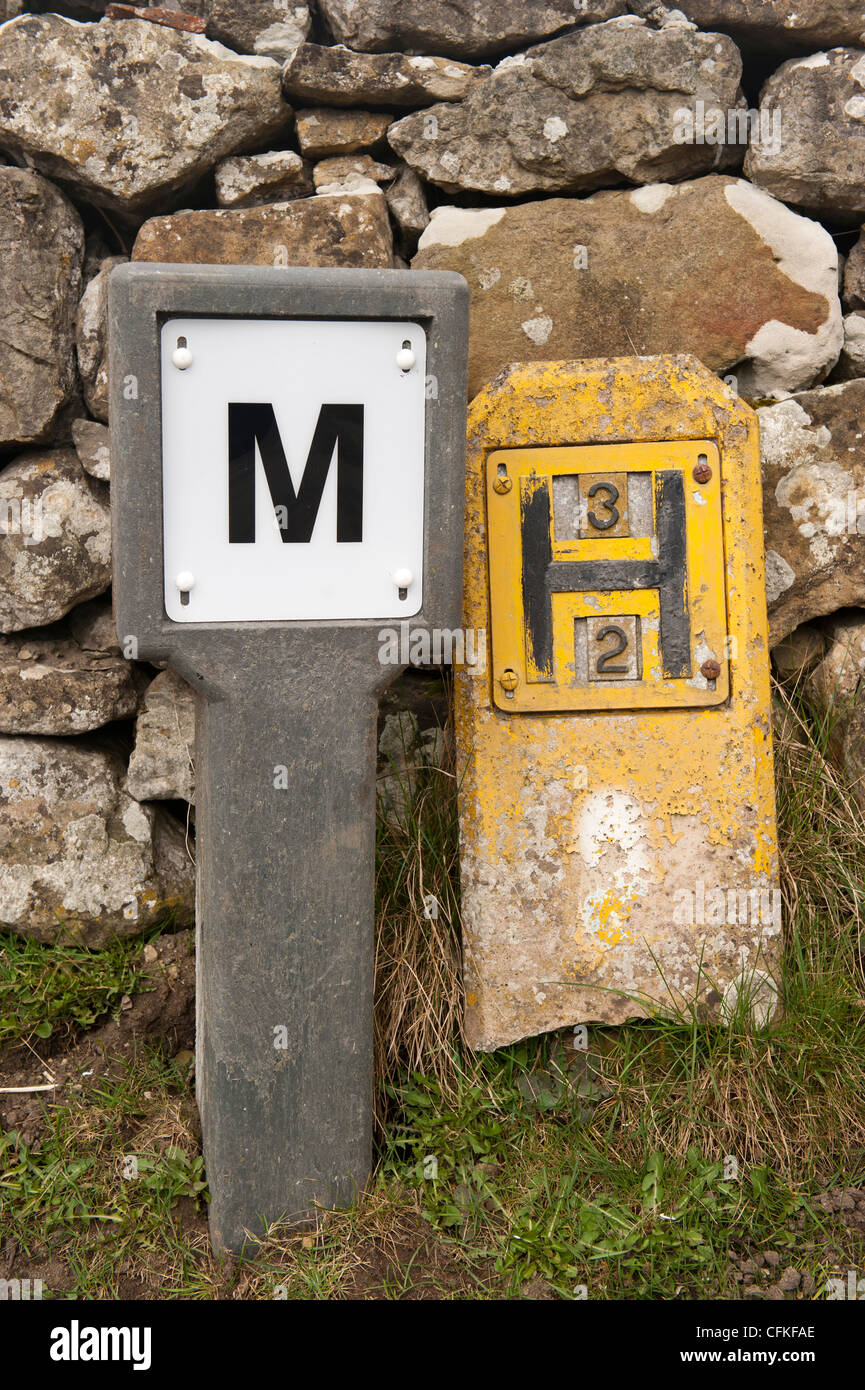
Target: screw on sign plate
(502,482)
(711,670)
(509,680)
(702,472)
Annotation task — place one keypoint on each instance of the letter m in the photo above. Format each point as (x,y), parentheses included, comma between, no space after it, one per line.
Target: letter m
(339,429)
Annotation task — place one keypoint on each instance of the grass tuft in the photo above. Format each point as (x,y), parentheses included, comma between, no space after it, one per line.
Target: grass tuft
(418,985)
(43,987)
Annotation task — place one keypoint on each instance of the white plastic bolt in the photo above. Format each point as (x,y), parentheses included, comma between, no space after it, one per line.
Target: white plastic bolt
(405,359)
(182,358)
(403,578)
(185,581)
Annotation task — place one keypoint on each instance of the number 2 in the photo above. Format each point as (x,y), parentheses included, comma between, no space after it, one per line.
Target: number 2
(601,666)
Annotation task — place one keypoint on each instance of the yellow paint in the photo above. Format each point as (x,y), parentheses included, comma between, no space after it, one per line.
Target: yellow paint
(592,812)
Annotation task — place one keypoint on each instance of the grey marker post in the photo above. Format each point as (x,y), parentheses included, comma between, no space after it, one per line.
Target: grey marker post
(286,728)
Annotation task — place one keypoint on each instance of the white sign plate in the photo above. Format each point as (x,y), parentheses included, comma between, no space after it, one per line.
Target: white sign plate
(293,469)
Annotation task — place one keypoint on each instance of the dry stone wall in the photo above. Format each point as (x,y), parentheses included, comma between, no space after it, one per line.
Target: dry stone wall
(610,178)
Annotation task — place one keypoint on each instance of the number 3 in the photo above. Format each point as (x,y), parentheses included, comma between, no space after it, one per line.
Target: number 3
(608,506)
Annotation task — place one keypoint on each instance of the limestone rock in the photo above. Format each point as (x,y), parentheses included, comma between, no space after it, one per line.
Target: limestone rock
(249,180)
(714,267)
(854,276)
(84,9)
(336,76)
(55,529)
(347,169)
(612,102)
(349,229)
(851,363)
(835,689)
(408,208)
(91,339)
(77,853)
(834,683)
(49,684)
(133,112)
(41,250)
(194,8)
(161,766)
(778,24)
(813,459)
(322,132)
(93,447)
(92,626)
(799,652)
(458,28)
(270,28)
(819,163)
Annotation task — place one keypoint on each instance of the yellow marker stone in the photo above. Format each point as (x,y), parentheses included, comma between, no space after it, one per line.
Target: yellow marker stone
(618,845)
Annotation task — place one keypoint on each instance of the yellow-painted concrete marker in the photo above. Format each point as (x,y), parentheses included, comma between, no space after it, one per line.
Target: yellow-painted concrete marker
(618,842)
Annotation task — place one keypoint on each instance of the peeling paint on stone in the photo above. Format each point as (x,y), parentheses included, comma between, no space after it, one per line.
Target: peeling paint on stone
(612,863)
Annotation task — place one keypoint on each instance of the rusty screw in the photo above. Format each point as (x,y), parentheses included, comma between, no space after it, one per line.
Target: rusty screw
(702,473)
(509,680)
(710,669)
(502,485)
